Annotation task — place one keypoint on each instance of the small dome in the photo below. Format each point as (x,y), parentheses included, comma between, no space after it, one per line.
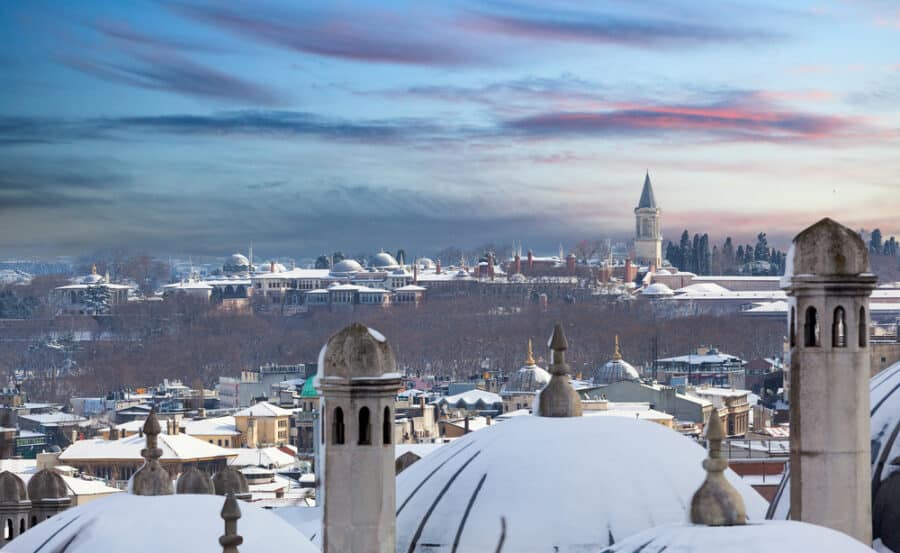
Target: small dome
(92,278)
(518,277)
(528,379)
(238,260)
(498,472)
(704,288)
(230,480)
(47,484)
(749,538)
(657,289)
(357,351)
(616,370)
(827,248)
(12,489)
(347,266)
(383,260)
(195,481)
(425,263)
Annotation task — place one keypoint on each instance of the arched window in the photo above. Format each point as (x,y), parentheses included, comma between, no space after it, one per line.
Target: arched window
(386,426)
(792,330)
(811,328)
(338,427)
(22,526)
(863,328)
(33,521)
(8,530)
(839,329)
(365,429)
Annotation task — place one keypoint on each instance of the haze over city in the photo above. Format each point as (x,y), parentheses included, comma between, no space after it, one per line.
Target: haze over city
(194,128)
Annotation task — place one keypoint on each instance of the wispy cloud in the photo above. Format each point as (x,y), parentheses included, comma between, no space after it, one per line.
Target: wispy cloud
(364,35)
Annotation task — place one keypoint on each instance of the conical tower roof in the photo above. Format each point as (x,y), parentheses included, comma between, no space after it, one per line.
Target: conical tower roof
(647,198)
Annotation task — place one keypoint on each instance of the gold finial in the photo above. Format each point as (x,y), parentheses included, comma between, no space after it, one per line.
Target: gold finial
(618,354)
(717,502)
(529,360)
(94,269)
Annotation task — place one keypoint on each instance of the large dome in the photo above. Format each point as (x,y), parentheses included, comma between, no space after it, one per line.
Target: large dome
(347,266)
(592,476)
(885,427)
(139,524)
(383,259)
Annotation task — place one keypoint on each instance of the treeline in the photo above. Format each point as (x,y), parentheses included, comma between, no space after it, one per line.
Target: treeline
(879,246)
(694,255)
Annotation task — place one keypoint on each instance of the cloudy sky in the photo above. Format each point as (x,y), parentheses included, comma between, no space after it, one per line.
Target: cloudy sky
(190,127)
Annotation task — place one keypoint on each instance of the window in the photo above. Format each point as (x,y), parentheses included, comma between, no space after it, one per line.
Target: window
(811,328)
(386,427)
(8,530)
(863,328)
(839,329)
(365,429)
(21,526)
(792,331)
(338,427)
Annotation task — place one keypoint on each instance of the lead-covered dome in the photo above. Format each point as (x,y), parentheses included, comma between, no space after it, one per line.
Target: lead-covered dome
(12,488)
(591,476)
(749,538)
(356,351)
(47,484)
(383,260)
(138,524)
(827,248)
(615,370)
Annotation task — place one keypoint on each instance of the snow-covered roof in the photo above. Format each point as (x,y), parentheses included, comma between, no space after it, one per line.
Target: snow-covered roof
(560,484)
(706,358)
(631,413)
(218,426)
(54,419)
(410,288)
(749,538)
(472,397)
(141,524)
(721,392)
(263,409)
(260,457)
(708,288)
(657,289)
(179,447)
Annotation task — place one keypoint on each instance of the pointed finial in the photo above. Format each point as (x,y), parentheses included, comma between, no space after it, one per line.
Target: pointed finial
(558,398)
(107,276)
(94,269)
(231,512)
(617,355)
(717,502)
(529,360)
(152,478)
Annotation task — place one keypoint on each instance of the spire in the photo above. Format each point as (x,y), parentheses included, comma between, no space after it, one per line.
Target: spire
(716,502)
(94,269)
(529,360)
(231,512)
(151,478)
(558,398)
(617,355)
(647,199)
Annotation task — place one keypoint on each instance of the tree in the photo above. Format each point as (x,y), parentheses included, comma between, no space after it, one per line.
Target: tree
(584,251)
(704,257)
(322,262)
(875,245)
(684,253)
(728,257)
(96,300)
(761,252)
(748,254)
(672,254)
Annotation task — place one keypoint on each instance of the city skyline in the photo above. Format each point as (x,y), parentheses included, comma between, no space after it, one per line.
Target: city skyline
(196,128)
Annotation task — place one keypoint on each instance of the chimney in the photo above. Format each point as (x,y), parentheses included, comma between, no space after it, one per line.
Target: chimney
(466,425)
(518,264)
(415,273)
(570,264)
(530,262)
(271,266)
(629,276)
(487,420)
(490,259)
(437,268)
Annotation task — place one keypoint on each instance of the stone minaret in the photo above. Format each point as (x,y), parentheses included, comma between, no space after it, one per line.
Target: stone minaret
(152,478)
(357,382)
(647,234)
(558,398)
(828,283)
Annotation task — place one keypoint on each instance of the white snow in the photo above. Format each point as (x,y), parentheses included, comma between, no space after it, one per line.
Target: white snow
(263,409)
(180,447)
(377,335)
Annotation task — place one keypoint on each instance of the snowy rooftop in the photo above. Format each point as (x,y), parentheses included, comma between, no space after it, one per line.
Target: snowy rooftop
(54,419)
(262,457)
(707,358)
(218,426)
(179,447)
(555,483)
(472,397)
(263,409)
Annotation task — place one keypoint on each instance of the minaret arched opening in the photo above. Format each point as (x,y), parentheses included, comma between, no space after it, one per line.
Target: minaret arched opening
(386,425)
(811,328)
(863,328)
(839,328)
(365,428)
(792,330)
(337,426)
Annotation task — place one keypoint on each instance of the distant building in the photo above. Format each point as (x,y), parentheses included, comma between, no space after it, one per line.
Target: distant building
(703,367)
(89,295)
(648,233)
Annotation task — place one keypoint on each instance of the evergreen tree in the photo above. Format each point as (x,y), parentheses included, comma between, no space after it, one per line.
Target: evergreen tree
(96,300)
(739,257)
(875,245)
(322,262)
(761,252)
(728,257)
(695,254)
(715,265)
(704,257)
(672,254)
(684,253)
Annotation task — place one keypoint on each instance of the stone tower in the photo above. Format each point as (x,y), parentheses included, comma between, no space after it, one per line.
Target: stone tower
(828,283)
(647,233)
(49,495)
(357,383)
(14,506)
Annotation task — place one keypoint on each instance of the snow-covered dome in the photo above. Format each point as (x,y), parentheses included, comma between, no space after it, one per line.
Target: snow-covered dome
(238,260)
(885,427)
(704,288)
(384,259)
(347,266)
(749,538)
(529,379)
(657,289)
(518,277)
(92,278)
(566,484)
(141,524)
(425,263)
(615,370)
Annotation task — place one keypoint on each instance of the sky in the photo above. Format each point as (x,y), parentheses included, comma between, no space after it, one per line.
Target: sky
(191,127)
